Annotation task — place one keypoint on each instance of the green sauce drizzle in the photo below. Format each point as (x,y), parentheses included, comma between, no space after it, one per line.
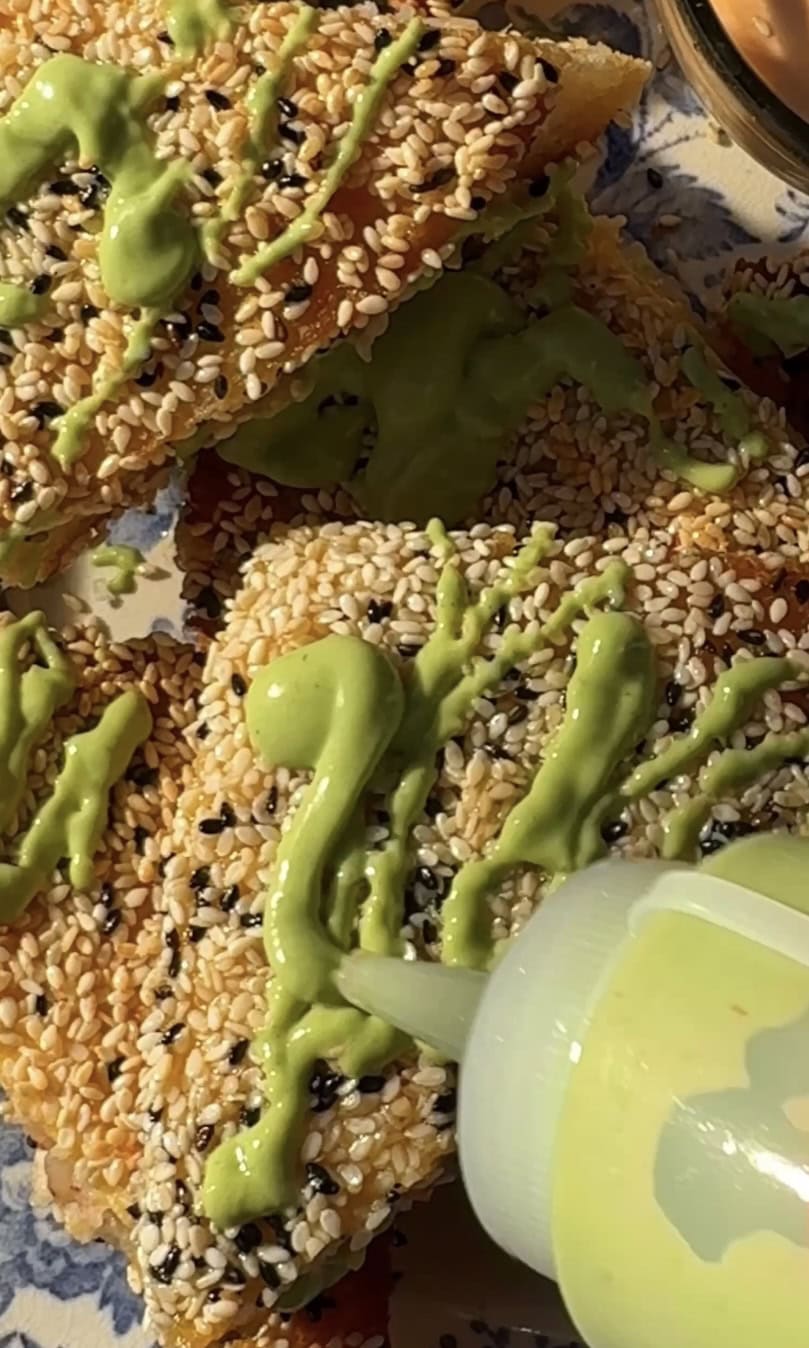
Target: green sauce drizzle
(732,410)
(73,107)
(19,306)
(263,111)
(72,819)
(735,695)
(385,67)
(72,427)
(194,25)
(337,706)
(28,699)
(450,380)
(728,774)
(74,816)
(557,825)
(770,325)
(124,560)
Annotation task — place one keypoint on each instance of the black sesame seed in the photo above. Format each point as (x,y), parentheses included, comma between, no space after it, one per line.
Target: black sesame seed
(526,694)
(172,104)
(290,133)
(213,1295)
(716,607)
(711,844)
(165,1271)
(549,71)
(272,169)
(320,1179)
(163,36)
(508,81)
(288,107)
(238,1051)
(217,100)
(172,1034)
(445,66)
(271,803)
(617,829)
(234,1277)
(111,923)
(298,293)
(517,715)
(54,251)
(429,933)
(41,1004)
(248,1237)
(752,636)
(248,920)
(173,943)
(378,611)
(477,203)
(203,1136)
(114,1069)
(370,1085)
(238,685)
(203,732)
(23,492)
(446,1103)
(802,591)
(269,1274)
(134,1211)
(290,180)
(227,816)
(382,39)
(140,834)
(179,329)
(148,377)
(195,934)
(200,878)
(250,1116)
(681,722)
(674,692)
(140,774)
(46,411)
(655,178)
(211,826)
(17,218)
(212,177)
(209,332)
(220,386)
(229,899)
(89,311)
(107,894)
(429,39)
(539,186)
(64,187)
(439,178)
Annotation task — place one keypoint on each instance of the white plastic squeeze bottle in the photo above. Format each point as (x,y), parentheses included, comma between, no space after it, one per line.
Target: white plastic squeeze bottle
(634,1094)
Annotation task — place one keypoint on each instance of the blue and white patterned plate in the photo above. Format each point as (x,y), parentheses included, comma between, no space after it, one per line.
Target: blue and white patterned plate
(696,202)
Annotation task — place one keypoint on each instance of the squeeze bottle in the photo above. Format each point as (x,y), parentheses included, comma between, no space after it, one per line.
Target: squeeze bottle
(633,1115)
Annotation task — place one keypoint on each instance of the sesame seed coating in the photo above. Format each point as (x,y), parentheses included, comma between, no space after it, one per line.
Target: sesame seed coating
(430,118)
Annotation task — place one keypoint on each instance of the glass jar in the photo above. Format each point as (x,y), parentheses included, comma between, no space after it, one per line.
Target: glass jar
(743,104)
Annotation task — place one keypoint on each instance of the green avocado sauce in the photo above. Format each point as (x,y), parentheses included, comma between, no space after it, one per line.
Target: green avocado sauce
(366,105)
(73,425)
(19,305)
(124,562)
(194,25)
(338,708)
(262,108)
(69,823)
(419,429)
(768,326)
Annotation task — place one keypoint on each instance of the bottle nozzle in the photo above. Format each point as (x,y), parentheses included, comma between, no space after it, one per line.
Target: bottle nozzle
(430,1002)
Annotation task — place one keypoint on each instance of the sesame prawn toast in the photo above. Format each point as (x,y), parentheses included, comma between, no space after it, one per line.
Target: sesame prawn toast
(591,632)
(72,962)
(592,470)
(198,197)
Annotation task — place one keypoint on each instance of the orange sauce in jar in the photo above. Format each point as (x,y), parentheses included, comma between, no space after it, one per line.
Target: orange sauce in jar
(773,38)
